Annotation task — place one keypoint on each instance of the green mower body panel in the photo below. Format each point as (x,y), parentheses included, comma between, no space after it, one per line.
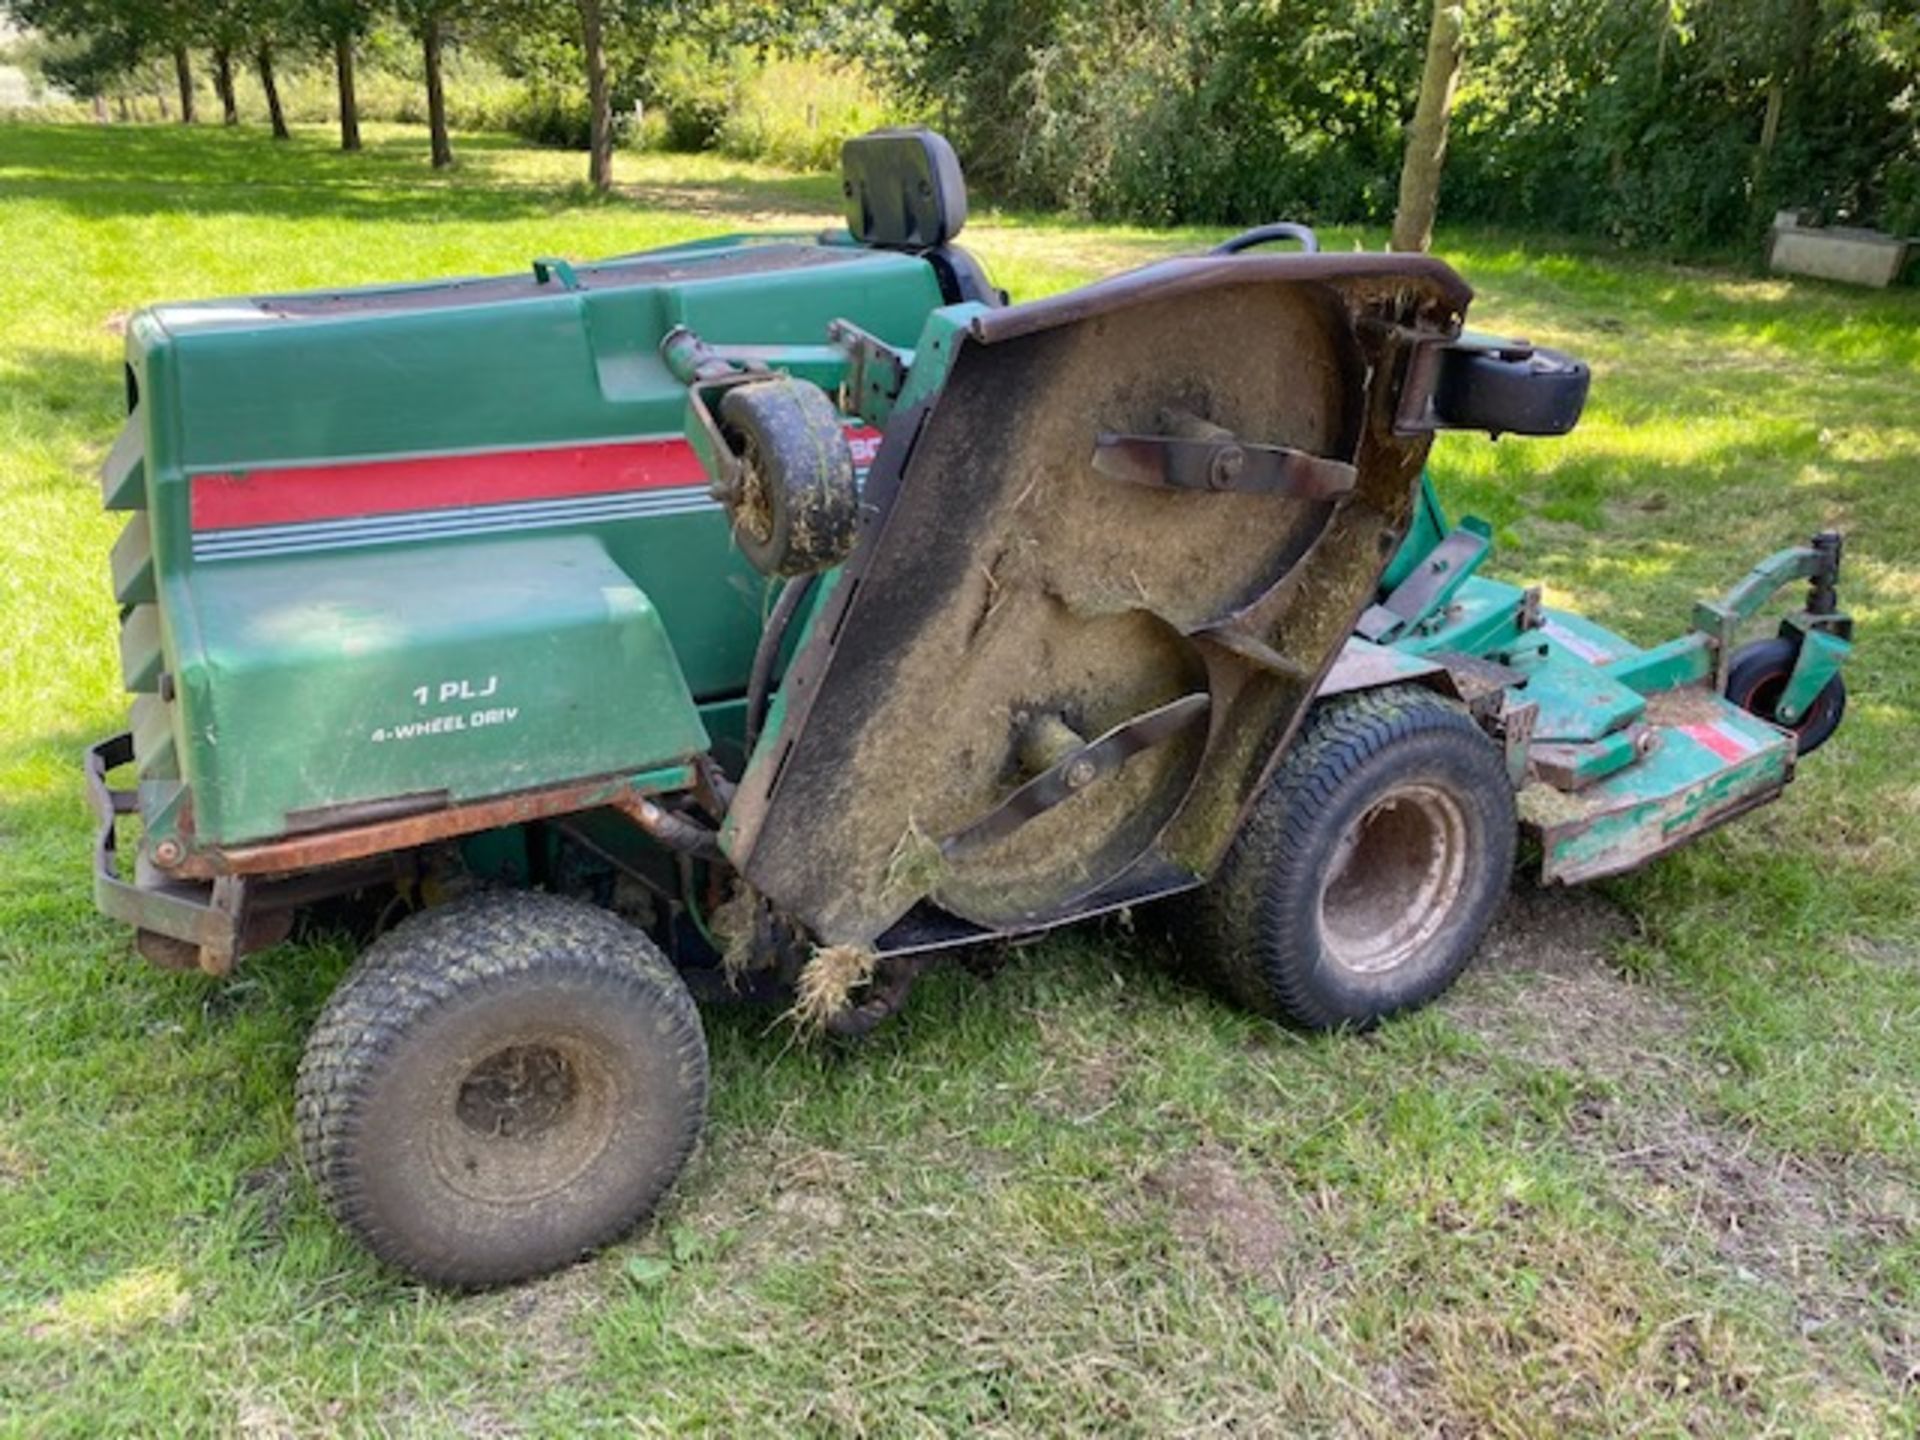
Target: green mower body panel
(433,543)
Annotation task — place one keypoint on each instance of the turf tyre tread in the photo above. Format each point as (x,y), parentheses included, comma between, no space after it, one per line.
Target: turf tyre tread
(1248,921)
(489,943)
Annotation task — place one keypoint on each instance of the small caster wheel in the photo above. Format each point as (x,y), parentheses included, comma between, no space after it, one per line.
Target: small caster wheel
(798,507)
(1757,679)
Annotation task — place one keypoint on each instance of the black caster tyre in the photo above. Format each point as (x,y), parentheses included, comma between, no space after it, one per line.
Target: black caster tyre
(500,1086)
(798,509)
(1527,391)
(1371,866)
(1757,677)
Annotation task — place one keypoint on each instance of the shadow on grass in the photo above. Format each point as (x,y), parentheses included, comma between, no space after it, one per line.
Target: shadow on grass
(1678,310)
(103,172)
(71,395)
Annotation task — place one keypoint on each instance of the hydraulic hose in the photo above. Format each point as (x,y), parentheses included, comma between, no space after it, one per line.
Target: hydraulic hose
(767,653)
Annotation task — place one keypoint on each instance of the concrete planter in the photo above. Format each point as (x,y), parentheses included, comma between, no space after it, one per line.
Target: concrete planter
(1854,257)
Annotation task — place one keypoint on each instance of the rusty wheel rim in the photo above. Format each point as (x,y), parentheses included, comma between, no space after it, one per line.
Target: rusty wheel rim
(524,1120)
(1395,880)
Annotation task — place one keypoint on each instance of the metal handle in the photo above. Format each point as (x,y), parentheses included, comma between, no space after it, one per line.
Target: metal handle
(1264,234)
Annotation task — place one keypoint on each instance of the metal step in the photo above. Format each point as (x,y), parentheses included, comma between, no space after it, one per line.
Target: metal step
(123,477)
(140,656)
(132,562)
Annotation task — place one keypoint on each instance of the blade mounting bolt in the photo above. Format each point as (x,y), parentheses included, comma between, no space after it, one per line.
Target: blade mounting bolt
(1228,461)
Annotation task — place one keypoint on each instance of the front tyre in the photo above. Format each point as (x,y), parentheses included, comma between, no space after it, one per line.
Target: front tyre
(1369,868)
(499,1086)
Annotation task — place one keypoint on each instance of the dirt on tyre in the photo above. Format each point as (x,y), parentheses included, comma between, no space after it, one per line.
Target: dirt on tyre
(500,1086)
(799,507)
(1369,868)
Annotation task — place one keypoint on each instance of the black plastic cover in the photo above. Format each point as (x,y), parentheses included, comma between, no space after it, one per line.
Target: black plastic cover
(903,188)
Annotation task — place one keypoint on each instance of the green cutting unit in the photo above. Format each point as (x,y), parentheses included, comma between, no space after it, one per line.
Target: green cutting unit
(771,616)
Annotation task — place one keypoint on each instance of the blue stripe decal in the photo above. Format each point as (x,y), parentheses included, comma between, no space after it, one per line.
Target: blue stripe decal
(412,528)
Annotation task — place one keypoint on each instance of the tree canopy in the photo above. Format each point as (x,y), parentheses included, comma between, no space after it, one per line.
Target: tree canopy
(1676,124)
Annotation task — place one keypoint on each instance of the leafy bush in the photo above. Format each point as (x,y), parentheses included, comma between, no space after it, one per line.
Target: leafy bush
(797,113)
(549,114)
(1902,214)
(694,90)
(1641,122)
(1164,110)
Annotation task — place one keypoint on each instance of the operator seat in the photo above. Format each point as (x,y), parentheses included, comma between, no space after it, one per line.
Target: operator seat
(904,191)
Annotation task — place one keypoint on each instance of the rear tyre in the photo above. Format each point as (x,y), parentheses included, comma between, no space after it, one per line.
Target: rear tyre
(1369,868)
(1757,678)
(499,1086)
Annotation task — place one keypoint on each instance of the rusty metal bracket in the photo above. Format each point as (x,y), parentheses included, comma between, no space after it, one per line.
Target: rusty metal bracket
(708,372)
(1479,683)
(1516,721)
(676,832)
(1075,771)
(1573,766)
(1173,462)
(209,925)
(876,371)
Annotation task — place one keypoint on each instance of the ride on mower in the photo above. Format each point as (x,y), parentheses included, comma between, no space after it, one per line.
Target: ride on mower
(770,616)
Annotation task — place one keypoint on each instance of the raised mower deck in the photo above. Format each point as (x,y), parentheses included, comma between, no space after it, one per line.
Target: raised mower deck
(1621,753)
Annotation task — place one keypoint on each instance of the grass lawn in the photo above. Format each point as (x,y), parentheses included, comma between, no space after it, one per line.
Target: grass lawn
(1650,1168)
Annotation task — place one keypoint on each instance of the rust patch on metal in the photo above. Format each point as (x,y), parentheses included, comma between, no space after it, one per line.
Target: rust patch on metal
(356,842)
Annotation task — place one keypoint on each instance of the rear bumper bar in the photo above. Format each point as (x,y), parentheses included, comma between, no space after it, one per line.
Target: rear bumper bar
(204,922)
(223,904)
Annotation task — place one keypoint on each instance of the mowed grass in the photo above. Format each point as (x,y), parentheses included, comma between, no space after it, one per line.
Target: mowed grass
(1649,1169)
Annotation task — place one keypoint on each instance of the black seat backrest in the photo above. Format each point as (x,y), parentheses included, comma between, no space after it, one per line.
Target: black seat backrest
(903,189)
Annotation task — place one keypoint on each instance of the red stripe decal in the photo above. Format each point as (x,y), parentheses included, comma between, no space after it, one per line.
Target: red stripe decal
(438,482)
(347,490)
(1720,740)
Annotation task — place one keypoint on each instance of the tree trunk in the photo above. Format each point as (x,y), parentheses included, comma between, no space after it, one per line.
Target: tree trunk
(349,107)
(274,113)
(1770,122)
(1427,136)
(223,83)
(183,72)
(599,103)
(436,97)
(1762,195)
